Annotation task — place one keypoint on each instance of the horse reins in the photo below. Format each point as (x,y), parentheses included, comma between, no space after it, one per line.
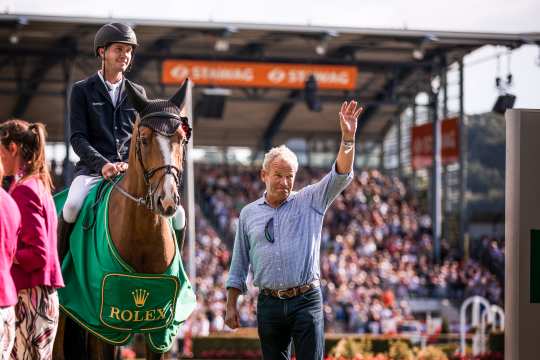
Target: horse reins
(169,169)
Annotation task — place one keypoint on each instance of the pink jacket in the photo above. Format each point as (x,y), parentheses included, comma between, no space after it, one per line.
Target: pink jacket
(10,225)
(36,255)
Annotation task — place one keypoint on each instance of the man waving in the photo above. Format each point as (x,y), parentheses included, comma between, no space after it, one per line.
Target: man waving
(279,236)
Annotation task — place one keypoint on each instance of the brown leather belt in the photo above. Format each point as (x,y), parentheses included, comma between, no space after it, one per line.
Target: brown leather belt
(292,292)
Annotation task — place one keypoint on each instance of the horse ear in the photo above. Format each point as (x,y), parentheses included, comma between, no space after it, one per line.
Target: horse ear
(137,99)
(179,98)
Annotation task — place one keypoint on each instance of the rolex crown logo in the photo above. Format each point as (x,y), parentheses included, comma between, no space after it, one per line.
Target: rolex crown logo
(139,297)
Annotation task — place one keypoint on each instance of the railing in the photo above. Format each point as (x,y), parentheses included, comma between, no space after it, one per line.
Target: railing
(483,315)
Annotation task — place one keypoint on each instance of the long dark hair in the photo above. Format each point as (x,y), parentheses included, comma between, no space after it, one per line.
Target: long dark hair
(30,137)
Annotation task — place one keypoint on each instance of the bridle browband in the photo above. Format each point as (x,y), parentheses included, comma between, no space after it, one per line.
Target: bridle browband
(155,121)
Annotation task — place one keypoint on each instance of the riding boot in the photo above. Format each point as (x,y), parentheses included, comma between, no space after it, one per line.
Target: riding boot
(64,232)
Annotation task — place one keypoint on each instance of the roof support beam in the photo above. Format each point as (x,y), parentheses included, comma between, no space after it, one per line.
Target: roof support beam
(363,65)
(277,120)
(386,94)
(44,64)
(388,126)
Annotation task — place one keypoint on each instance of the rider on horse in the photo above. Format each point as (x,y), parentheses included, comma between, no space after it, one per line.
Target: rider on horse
(101,119)
(123,271)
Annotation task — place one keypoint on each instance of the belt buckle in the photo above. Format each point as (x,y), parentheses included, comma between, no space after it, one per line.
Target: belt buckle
(279,296)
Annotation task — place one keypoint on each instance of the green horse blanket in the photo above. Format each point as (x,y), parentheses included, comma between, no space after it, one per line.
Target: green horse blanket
(106,296)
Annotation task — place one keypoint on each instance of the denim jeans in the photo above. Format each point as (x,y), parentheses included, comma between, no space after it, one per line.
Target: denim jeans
(299,319)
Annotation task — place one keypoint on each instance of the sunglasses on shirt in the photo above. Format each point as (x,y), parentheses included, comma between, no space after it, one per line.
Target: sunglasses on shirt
(269,231)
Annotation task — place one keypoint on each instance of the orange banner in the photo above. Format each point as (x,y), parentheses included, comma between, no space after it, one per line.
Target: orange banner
(422,143)
(265,75)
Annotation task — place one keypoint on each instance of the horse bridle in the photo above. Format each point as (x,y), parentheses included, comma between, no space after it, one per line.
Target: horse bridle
(147,200)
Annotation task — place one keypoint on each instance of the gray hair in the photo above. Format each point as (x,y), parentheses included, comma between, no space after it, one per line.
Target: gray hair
(282,152)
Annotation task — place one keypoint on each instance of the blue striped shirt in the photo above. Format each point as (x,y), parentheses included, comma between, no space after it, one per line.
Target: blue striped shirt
(293,258)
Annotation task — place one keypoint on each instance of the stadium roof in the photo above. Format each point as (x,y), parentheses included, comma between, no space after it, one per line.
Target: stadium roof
(41,54)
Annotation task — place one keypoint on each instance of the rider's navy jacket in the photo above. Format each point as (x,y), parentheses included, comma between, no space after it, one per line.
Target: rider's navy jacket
(100,131)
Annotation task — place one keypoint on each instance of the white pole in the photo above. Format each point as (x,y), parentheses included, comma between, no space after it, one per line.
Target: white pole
(190,190)
(522,222)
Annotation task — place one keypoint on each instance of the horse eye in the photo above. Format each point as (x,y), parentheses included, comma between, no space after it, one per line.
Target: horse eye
(144,141)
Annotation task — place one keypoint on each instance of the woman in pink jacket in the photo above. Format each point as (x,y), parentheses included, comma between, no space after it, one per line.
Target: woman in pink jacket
(10,223)
(36,270)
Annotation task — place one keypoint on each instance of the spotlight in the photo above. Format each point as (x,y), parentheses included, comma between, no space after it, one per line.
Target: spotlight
(14,39)
(498,83)
(221,45)
(509,80)
(418,54)
(320,49)
(322,46)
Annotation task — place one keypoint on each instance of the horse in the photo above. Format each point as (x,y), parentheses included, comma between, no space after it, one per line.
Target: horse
(140,204)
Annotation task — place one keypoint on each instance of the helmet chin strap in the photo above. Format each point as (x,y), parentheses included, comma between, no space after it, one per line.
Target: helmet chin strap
(105,73)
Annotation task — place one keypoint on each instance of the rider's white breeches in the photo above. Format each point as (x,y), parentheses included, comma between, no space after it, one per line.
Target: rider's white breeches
(80,187)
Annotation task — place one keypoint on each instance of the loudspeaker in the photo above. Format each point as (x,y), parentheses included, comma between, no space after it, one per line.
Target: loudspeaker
(505,101)
(313,101)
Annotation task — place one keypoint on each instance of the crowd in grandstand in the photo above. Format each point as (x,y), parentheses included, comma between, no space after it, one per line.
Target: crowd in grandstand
(377,253)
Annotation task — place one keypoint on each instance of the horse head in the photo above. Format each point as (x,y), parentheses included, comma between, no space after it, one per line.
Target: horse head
(159,140)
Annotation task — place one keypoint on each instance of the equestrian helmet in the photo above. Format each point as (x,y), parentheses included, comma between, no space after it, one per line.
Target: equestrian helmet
(114,33)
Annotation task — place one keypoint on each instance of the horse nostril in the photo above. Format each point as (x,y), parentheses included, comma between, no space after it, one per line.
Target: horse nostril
(167,207)
(161,203)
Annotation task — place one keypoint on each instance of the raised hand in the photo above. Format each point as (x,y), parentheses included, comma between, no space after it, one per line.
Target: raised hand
(348,117)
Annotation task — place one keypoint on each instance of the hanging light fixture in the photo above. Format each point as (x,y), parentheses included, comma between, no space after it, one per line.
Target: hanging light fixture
(505,100)
(322,46)
(420,52)
(222,43)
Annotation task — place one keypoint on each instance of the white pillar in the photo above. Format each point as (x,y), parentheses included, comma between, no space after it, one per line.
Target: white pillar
(190,191)
(522,323)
